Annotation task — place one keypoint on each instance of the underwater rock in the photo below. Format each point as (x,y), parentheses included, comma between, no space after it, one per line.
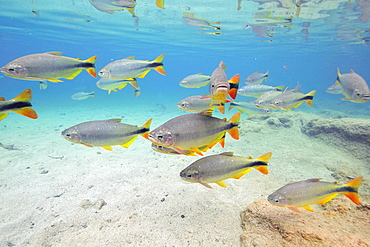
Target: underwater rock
(338,223)
(350,134)
(96,204)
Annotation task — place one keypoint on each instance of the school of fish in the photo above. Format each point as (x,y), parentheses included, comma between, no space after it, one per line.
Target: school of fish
(190,134)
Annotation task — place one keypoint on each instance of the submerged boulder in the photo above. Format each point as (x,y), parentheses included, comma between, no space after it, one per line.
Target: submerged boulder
(338,223)
(350,134)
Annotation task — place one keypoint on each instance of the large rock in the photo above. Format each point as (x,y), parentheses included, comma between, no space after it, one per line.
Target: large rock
(338,223)
(350,134)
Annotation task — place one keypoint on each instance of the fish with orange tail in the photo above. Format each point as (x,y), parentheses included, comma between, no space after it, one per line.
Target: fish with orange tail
(304,193)
(194,133)
(20,104)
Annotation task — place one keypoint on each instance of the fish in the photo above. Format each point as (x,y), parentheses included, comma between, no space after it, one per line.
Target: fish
(82,95)
(20,104)
(105,133)
(334,89)
(130,68)
(306,192)
(292,99)
(109,6)
(201,23)
(264,100)
(354,87)
(196,103)
(257,78)
(167,150)
(219,167)
(195,81)
(257,90)
(160,4)
(194,131)
(49,66)
(248,107)
(220,87)
(113,84)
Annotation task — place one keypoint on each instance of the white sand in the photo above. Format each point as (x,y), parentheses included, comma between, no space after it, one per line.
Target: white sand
(147,203)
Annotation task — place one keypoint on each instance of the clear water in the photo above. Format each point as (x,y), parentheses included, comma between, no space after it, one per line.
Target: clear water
(337,37)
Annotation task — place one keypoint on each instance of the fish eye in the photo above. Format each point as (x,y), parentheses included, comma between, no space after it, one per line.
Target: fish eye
(11,69)
(68,135)
(160,137)
(276,200)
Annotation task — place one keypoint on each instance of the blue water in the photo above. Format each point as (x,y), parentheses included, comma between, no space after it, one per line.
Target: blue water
(79,30)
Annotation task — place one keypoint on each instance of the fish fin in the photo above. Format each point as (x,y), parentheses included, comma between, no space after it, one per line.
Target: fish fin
(207,112)
(56,53)
(137,92)
(221,183)
(146,126)
(227,153)
(3,115)
(234,132)
(27,112)
(328,198)
(262,169)
(74,74)
(217,22)
(122,86)
(130,57)
(355,184)
(180,151)
(265,158)
(197,151)
(311,94)
(294,209)
(133,83)
(127,144)
(144,73)
(160,68)
(351,71)
(233,92)
(132,11)
(308,208)
(280,88)
(55,80)
(206,185)
(222,142)
(87,145)
(266,76)
(241,174)
(221,109)
(338,72)
(2,99)
(24,96)
(235,79)
(91,70)
(109,148)
(159,4)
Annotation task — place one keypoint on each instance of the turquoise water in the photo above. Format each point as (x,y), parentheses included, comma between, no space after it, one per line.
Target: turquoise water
(79,30)
(337,36)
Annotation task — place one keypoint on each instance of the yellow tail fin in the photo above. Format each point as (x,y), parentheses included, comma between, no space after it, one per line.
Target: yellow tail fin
(160,69)
(91,70)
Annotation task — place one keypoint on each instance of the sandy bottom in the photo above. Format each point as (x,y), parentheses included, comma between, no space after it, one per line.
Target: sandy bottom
(44,184)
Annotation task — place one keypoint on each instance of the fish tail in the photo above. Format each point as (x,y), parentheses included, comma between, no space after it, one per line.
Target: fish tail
(264,159)
(92,94)
(160,69)
(354,185)
(160,4)
(26,111)
(91,70)
(146,126)
(280,88)
(267,75)
(24,96)
(338,72)
(310,95)
(234,85)
(234,132)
